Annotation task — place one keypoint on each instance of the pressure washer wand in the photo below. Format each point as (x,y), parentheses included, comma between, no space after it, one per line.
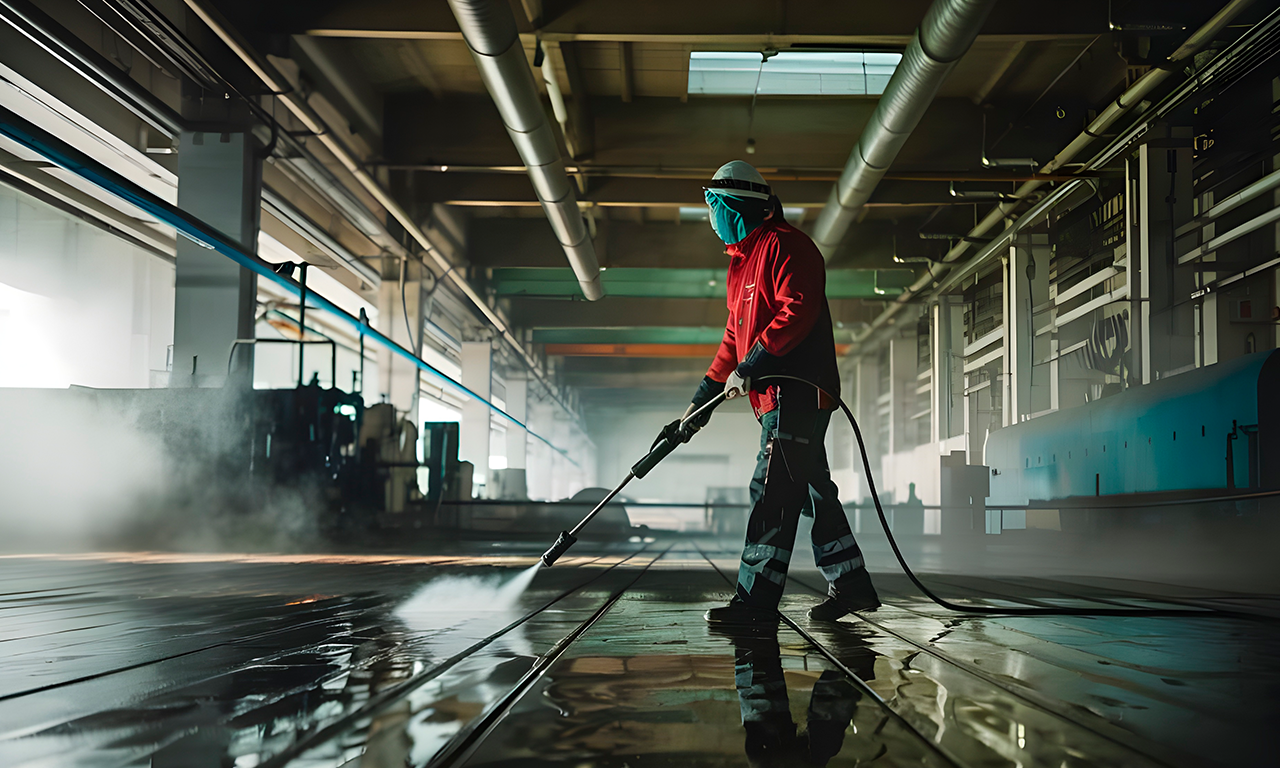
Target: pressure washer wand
(660,451)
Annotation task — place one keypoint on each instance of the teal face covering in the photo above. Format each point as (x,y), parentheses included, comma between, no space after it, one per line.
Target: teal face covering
(733,218)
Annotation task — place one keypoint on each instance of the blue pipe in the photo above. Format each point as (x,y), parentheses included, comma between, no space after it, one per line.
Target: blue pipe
(58,152)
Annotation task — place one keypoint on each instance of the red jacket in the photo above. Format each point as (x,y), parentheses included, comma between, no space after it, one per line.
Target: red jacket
(777,295)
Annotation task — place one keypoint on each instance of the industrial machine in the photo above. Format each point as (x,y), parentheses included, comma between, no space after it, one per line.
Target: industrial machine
(308,462)
(1210,432)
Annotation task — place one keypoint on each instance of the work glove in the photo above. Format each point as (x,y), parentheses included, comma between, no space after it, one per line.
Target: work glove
(736,385)
(757,363)
(708,390)
(674,434)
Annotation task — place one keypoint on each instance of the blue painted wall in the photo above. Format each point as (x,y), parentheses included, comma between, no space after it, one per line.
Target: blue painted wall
(1170,435)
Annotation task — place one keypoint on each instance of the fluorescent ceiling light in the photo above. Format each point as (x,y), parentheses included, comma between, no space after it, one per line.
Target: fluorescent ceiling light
(791,73)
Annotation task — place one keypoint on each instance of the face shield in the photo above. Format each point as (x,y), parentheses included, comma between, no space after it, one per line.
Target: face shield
(733,218)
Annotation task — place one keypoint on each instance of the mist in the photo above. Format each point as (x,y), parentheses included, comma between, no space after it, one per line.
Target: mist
(1224,546)
(88,469)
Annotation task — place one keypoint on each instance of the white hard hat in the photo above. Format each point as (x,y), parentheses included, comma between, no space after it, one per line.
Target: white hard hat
(739,179)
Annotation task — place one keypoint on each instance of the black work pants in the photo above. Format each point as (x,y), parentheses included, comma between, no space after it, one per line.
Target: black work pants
(792,477)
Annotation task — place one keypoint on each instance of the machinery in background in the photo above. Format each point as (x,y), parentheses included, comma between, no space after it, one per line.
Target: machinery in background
(1210,432)
(448,479)
(245,459)
(448,504)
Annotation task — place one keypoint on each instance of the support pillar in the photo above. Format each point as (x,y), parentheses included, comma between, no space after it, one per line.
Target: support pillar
(220,182)
(1165,331)
(1026,284)
(400,317)
(566,478)
(867,405)
(512,480)
(538,459)
(946,320)
(867,376)
(473,444)
(902,387)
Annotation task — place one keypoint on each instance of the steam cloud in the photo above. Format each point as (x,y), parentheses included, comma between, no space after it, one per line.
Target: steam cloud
(87,469)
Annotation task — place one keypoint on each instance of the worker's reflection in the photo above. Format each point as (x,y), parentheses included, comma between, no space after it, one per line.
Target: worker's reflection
(772,738)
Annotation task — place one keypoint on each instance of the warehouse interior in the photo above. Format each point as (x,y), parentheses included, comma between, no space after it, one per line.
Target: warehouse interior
(320,321)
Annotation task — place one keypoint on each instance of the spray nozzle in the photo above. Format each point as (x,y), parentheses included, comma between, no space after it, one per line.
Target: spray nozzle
(563,542)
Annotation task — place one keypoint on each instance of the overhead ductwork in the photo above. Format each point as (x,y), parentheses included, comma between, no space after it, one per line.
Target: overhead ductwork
(947,31)
(1134,95)
(489,28)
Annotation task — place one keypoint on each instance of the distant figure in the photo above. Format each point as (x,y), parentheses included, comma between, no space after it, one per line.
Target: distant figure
(779,323)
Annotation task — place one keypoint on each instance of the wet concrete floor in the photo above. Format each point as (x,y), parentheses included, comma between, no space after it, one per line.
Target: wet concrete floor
(605,660)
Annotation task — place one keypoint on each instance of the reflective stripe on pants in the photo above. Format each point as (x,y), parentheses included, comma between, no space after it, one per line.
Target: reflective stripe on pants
(836,558)
(763,560)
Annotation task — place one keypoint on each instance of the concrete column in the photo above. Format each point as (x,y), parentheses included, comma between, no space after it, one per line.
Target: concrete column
(1165,332)
(1026,284)
(517,406)
(564,474)
(1208,309)
(539,470)
(513,483)
(973,442)
(219,181)
(902,387)
(473,444)
(946,324)
(400,317)
(1055,374)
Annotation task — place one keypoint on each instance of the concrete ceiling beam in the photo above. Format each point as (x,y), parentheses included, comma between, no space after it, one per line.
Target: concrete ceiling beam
(753,22)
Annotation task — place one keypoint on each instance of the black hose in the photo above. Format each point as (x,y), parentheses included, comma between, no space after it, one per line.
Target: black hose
(902,561)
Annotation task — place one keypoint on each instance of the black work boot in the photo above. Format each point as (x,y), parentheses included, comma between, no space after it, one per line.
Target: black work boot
(739,614)
(851,592)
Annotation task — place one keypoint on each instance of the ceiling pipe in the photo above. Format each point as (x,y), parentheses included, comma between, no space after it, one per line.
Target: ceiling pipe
(947,31)
(60,153)
(313,123)
(37,26)
(489,28)
(1123,104)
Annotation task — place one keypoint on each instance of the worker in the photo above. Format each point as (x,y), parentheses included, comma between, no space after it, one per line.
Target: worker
(779,323)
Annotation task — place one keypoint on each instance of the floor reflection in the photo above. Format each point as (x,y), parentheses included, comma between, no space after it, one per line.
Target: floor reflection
(651,684)
(771,735)
(313,664)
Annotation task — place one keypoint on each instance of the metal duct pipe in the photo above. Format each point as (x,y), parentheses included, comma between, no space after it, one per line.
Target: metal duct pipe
(489,28)
(313,123)
(34,24)
(60,153)
(947,31)
(1123,104)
